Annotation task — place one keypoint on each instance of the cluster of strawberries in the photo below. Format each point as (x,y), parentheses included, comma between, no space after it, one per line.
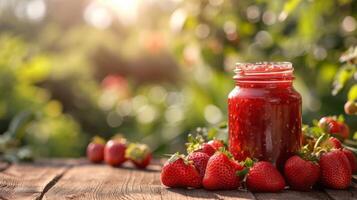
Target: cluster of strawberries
(117,150)
(322,160)
(211,166)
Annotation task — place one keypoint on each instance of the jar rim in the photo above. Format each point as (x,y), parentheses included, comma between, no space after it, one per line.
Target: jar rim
(264,71)
(263,67)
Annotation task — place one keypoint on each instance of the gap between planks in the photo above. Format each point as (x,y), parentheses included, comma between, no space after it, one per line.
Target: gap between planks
(53,182)
(31,180)
(147,182)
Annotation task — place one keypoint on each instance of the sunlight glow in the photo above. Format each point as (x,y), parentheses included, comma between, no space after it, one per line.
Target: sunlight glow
(97,16)
(126,11)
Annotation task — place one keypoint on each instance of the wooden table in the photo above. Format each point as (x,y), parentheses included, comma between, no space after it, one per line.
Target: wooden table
(78,179)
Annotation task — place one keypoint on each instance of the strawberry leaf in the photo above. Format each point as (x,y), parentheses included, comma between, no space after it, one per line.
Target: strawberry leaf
(243,172)
(98,140)
(194,143)
(175,157)
(341,118)
(248,162)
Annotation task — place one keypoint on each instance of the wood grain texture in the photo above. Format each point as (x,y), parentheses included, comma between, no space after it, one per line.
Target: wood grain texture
(104,182)
(28,181)
(293,195)
(350,194)
(78,179)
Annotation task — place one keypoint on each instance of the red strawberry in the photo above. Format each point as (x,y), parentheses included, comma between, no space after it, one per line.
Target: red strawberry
(178,172)
(216,144)
(351,107)
(139,154)
(335,170)
(335,143)
(301,174)
(323,122)
(344,130)
(334,126)
(95,150)
(114,152)
(352,159)
(200,160)
(197,144)
(264,177)
(207,149)
(221,173)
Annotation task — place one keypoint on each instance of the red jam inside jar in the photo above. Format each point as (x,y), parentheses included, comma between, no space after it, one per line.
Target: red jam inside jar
(264,113)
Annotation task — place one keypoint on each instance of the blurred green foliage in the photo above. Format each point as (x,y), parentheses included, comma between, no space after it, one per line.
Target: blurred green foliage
(158,75)
(52,132)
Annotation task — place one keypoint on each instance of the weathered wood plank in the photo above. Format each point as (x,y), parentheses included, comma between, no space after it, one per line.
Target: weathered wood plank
(349,194)
(28,181)
(104,182)
(179,194)
(78,179)
(293,195)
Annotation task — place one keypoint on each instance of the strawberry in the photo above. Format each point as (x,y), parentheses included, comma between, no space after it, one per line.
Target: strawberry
(95,150)
(207,149)
(197,144)
(335,143)
(351,107)
(352,159)
(335,170)
(344,130)
(264,177)
(301,174)
(334,126)
(114,152)
(221,172)
(216,144)
(200,160)
(179,172)
(139,154)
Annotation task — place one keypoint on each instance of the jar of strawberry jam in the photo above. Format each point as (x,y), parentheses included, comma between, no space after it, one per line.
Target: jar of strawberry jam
(264,113)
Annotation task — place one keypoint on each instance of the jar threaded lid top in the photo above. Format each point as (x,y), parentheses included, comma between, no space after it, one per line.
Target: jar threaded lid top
(264,71)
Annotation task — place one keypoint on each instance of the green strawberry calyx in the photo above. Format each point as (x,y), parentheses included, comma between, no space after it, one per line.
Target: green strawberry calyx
(224,151)
(194,143)
(137,152)
(98,140)
(176,156)
(119,138)
(247,163)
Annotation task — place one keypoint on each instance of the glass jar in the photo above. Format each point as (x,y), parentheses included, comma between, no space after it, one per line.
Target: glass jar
(264,113)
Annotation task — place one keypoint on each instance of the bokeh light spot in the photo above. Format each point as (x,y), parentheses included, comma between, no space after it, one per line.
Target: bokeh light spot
(349,24)
(213,114)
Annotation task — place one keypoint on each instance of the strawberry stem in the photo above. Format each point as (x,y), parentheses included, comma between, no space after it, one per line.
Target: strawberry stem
(320,140)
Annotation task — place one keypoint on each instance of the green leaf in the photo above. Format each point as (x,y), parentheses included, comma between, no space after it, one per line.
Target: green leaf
(212,133)
(223,125)
(242,172)
(248,162)
(343,75)
(18,123)
(352,93)
(341,118)
(312,132)
(355,136)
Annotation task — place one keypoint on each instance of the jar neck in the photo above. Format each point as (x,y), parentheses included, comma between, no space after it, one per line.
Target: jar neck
(264,74)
